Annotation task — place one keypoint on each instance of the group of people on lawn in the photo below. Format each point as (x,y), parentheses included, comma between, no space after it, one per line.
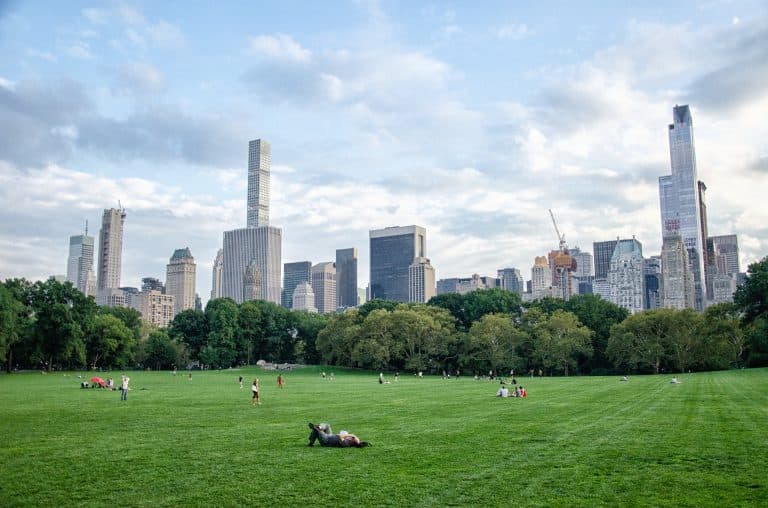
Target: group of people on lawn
(518,391)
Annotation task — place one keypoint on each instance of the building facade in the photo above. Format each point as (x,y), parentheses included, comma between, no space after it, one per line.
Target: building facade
(421,281)
(259,169)
(293,275)
(346,277)
(677,285)
(541,278)
(80,263)
(680,197)
(511,279)
(303,298)
(110,253)
(156,308)
(241,246)
(652,270)
(626,276)
(218,270)
(324,286)
(181,273)
(392,251)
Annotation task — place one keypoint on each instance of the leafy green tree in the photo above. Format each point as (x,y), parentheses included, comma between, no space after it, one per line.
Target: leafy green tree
(723,337)
(221,350)
(471,306)
(559,339)
(336,341)
(131,318)
(159,351)
(14,318)
(453,303)
(376,343)
(751,298)
(424,336)
(307,326)
(190,327)
(641,342)
(109,342)
(63,316)
(493,340)
(375,304)
(685,344)
(599,315)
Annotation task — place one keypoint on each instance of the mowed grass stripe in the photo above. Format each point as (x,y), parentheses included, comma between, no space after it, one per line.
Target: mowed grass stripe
(574,441)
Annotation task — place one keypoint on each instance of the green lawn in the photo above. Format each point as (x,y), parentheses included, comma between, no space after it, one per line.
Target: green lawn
(577,441)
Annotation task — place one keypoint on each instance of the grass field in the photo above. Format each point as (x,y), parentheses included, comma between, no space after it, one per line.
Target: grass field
(577,441)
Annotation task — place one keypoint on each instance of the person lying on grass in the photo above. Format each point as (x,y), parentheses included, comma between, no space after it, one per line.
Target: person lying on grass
(325,435)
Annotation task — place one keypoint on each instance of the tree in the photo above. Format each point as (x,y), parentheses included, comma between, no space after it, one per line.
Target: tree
(558,339)
(423,336)
(492,343)
(376,343)
(723,340)
(471,306)
(109,342)
(14,319)
(599,315)
(336,341)
(62,317)
(751,298)
(159,351)
(307,326)
(190,327)
(221,350)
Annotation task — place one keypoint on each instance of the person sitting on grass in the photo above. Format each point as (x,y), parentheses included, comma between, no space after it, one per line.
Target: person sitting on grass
(325,435)
(503,392)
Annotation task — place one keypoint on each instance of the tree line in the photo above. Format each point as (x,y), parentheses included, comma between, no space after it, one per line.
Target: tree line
(50,325)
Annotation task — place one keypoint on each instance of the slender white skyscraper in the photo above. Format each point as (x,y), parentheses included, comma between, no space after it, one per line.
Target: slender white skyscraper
(110,249)
(80,262)
(218,267)
(680,199)
(258,241)
(259,164)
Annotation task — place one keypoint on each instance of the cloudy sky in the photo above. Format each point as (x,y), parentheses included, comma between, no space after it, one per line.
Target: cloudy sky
(469,118)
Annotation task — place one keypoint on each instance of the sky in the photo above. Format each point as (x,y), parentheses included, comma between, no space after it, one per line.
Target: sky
(471,119)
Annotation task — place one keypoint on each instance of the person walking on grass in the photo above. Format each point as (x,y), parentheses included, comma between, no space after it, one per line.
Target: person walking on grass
(255,390)
(241,382)
(280,381)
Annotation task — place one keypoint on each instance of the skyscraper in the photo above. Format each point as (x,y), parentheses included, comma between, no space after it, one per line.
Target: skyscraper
(603,252)
(80,262)
(393,249)
(511,280)
(303,298)
(626,277)
(251,282)
(259,166)
(218,268)
(258,241)
(324,286)
(293,275)
(346,277)
(421,281)
(677,286)
(652,271)
(583,262)
(680,197)
(722,267)
(241,246)
(541,278)
(180,277)
(110,249)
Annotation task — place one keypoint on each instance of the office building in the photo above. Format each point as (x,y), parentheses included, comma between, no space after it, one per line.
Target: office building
(181,273)
(603,251)
(541,278)
(652,271)
(152,284)
(110,252)
(680,197)
(583,263)
(259,168)
(722,268)
(293,275)
(303,298)
(324,286)
(346,277)
(155,307)
(421,281)
(218,270)
(677,285)
(510,279)
(463,285)
(392,251)
(626,276)
(251,282)
(258,241)
(80,262)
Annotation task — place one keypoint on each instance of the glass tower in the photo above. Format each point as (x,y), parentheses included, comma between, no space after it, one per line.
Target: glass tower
(680,199)
(393,250)
(346,277)
(259,163)
(293,275)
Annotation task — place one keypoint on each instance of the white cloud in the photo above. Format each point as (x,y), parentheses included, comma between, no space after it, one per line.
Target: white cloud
(280,47)
(166,35)
(141,77)
(514,31)
(45,55)
(81,50)
(95,16)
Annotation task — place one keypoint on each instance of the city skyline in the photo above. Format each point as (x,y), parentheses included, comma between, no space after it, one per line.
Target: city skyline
(378,115)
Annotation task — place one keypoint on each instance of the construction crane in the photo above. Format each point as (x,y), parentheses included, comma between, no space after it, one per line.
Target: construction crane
(560,238)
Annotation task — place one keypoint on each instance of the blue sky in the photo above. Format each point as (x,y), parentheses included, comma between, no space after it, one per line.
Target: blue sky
(471,119)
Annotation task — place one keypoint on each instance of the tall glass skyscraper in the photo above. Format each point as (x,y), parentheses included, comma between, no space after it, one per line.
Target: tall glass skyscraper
(80,262)
(680,199)
(346,277)
(393,250)
(293,275)
(259,165)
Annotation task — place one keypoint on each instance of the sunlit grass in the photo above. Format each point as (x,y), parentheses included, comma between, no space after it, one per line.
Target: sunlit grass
(573,441)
